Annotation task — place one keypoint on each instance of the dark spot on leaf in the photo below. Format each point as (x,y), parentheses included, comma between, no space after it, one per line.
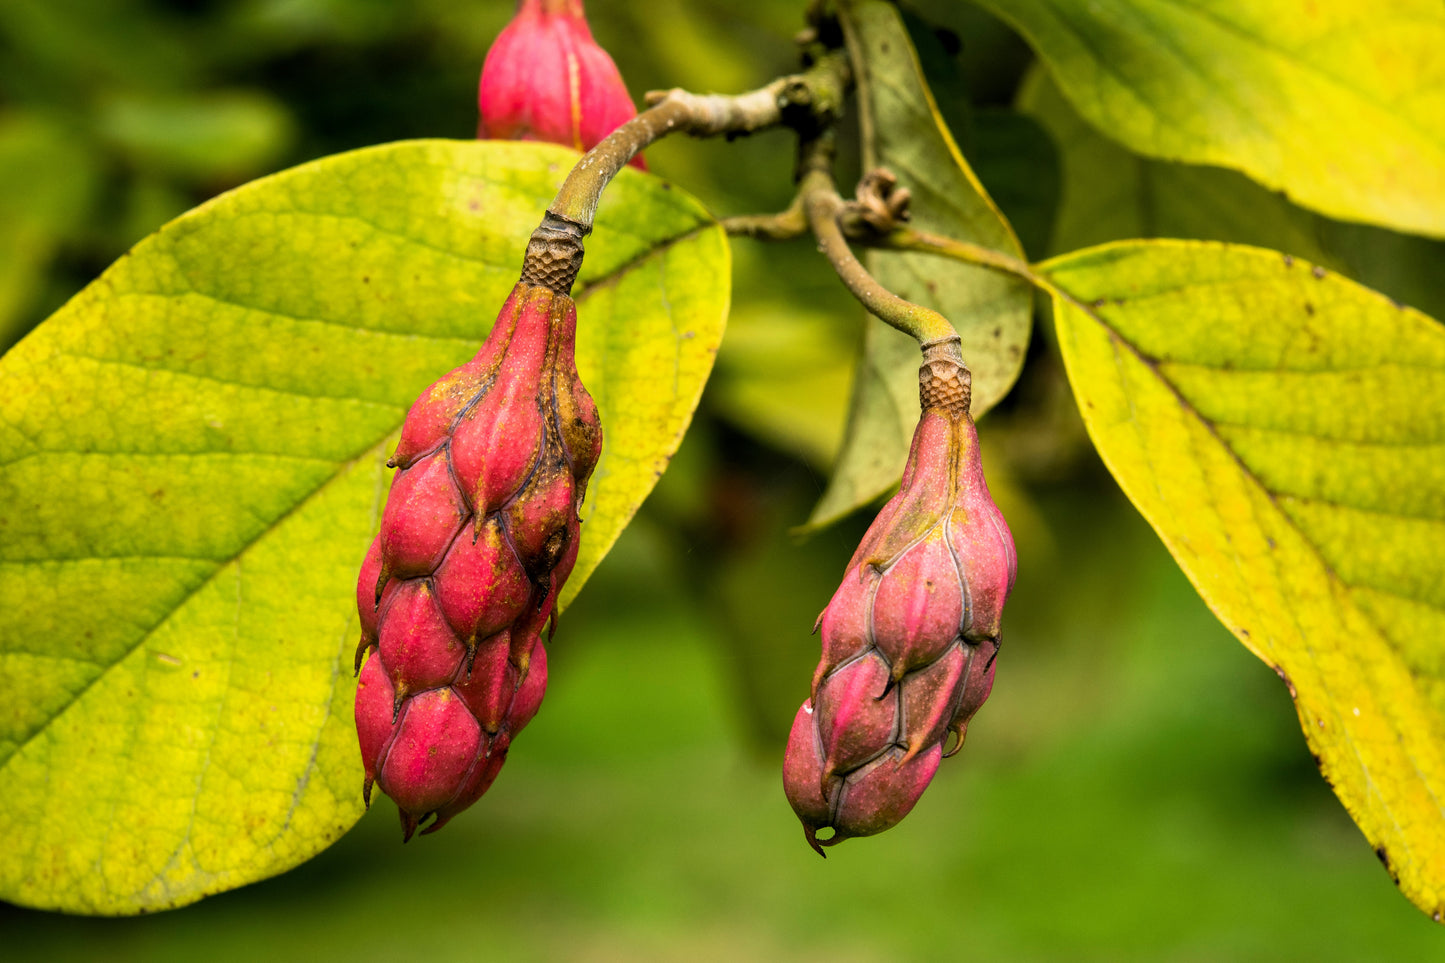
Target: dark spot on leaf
(998,332)
(196,674)
(1288,261)
(1097,302)
(1317,271)
(1244,632)
(365,279)
(1270,542)
(1309,308)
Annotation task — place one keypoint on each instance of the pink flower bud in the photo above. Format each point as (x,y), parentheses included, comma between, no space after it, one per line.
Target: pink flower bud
(545,78)
(910,636)
(479,533)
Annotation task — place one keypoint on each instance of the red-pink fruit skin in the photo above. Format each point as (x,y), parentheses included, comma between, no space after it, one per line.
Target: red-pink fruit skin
(433,750)
(803,770)
(878,796)
(366,591)
(908,641)
(856,718)
(480,586)
(424,512)
(529,694)
(545,78)
(931,697)
(918,609)
(473,552)
(375,698)
(418,647)
(492,685)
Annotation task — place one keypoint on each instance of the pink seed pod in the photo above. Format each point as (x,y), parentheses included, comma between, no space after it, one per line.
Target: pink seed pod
(546,79)
(479,533)
(910,636)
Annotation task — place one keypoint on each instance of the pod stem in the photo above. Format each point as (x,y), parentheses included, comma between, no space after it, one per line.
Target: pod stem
(825,210)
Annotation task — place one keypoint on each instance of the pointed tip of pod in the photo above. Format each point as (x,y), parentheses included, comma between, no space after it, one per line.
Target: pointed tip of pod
(366,785)
(362,648)
(436,824)
(810,833)
(408,825)
(957,730)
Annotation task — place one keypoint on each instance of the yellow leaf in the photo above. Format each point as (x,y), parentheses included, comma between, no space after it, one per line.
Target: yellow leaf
(1338,103)
(1283,430)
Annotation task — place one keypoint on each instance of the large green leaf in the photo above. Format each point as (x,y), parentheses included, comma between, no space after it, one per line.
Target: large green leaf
(1338,103)
(1113,194)
(903,132)
(1283,429)
(192,464)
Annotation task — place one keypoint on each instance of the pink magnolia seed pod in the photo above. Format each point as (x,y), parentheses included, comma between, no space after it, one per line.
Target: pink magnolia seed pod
(479,533)
(545,78)
(910,636)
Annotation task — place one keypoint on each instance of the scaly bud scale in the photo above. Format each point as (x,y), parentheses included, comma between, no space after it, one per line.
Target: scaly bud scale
(545,78)
(910,636)
(479,533)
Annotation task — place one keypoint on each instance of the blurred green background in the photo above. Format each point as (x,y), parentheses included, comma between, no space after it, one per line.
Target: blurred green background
(1137,786)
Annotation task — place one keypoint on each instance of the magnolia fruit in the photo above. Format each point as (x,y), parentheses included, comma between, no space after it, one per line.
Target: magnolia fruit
(909,638)
(545,78)
(479,533)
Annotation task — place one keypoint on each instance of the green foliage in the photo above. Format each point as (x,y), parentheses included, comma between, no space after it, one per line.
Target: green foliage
(1296,471)
(1111,194)
(1335,102)
(46,180)
(904,133)
(194,454)
(190,468)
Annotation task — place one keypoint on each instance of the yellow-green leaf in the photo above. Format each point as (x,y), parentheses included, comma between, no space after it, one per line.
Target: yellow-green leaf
(1111,194)
(903,132)
(192,464)
(1338,103)
(1283,429)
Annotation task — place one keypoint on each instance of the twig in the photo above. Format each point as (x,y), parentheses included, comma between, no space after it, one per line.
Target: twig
(824,207)
(808,101)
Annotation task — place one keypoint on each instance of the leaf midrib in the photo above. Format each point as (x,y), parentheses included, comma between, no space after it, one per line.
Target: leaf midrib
(371,449)
(1345,596)
(1187,406)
